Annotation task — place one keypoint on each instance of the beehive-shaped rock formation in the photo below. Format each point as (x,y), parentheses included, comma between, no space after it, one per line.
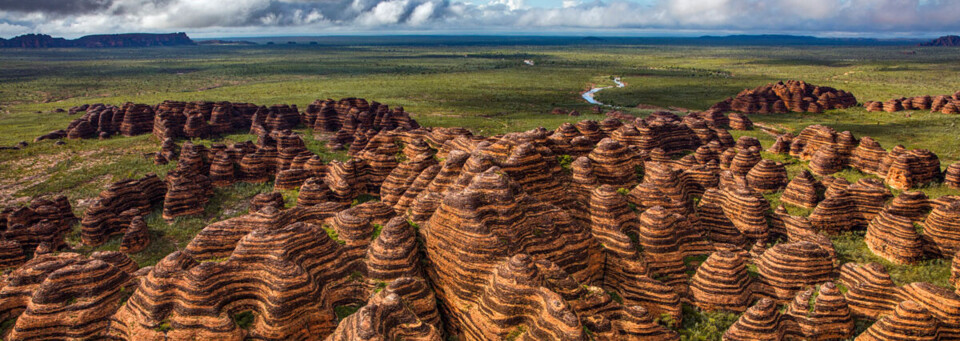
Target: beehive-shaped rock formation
(737,207)
(760,322)
(780,97)
(288,268)
(136,238)
(740,121)
(789,267)
(894,238)
(951,177)
(722,283)
(105,217)
(913,168)
(827,160)
(767,176)
(137,119)
(386,316)
(803,190)
(186,195)
(942,226)
(65,296)
(909,321)
(39,226)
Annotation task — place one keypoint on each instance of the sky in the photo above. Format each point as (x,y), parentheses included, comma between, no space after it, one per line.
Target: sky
(247,18)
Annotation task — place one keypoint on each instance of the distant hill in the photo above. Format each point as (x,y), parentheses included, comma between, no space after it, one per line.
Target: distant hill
(944,41)
(225,42)
(101,40)
(785,39)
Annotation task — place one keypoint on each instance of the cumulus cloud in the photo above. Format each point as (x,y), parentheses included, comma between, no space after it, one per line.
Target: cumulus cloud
(77,17)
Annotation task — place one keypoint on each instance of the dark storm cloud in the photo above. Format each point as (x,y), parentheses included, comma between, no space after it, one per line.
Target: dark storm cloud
(317,16)
(55,6)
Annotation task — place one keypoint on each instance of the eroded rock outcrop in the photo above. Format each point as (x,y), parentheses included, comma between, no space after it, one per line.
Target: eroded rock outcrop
(65,295)
(110,214)
(782,97)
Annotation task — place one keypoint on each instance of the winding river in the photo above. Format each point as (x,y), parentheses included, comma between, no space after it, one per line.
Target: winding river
(589,95)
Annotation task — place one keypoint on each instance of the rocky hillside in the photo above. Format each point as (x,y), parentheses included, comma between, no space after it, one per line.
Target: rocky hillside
(944,41)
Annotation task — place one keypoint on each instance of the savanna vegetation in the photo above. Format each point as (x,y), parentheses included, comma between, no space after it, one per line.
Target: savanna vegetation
(485,87)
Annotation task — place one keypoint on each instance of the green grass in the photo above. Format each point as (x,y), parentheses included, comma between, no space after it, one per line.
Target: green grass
(700,325)
(343,311)
(377,228)
(332,233)
(244,319)
(6,325)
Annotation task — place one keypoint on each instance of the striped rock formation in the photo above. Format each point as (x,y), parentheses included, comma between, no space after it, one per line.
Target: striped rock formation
(278,275)
(222,170)
(65,296)
(787,268)
(761,322)
(803,190)
(23,230)
(740,121)
(942,227)
(767,176)
(105,217)
(853,206)
(829,152)
(871,293)
(955,270)
(913,168)
(136,238)
(827,160)
(581,260)
(260,202)
(868,155)
(782,144)
(945,104)
(314,191)
(782,97)
(11,254)
(667,132)
(730,214)
(894,238)
(659,235)
(290,179)
(386,316)
(220,238)
(611,164)
(910,204)
(827,317)
(137,119)
(951,177)
(909,321)
(722,283)
(745,159)
(513,298)
(186,195)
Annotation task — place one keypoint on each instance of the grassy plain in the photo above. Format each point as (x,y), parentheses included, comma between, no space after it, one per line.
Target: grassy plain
(486,88)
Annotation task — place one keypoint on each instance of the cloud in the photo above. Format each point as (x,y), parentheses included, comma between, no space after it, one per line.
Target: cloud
(78,17)
(55,6)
